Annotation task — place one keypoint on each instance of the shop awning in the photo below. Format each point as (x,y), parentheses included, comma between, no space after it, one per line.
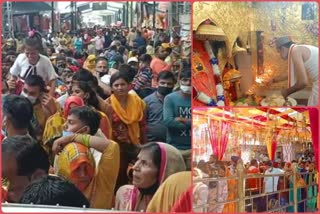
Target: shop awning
(29,7)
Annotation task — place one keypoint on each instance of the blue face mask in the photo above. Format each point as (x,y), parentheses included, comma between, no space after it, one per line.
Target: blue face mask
(66,133)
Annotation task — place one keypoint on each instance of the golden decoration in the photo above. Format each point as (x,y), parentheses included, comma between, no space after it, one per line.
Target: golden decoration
(240,19)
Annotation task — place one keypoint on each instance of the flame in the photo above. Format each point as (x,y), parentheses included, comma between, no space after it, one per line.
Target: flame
(267,75)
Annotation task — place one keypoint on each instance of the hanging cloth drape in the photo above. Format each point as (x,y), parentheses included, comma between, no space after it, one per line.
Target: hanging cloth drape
(314,125)
(219,135)
(272,145)
(288,154)
(213,136)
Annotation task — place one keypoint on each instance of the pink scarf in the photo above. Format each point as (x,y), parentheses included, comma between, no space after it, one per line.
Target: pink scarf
(163,166)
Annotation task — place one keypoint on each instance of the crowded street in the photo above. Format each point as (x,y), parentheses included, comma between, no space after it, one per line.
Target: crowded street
(96,102)
(138,106)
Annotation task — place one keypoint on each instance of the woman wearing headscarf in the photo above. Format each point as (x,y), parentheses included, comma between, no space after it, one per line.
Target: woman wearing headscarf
(126,115)
(75,162)
(71,102)
(84,91)
(90,63)
(156,162)
(54,125)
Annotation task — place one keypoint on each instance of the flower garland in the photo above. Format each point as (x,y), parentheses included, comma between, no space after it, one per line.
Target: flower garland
(217,74)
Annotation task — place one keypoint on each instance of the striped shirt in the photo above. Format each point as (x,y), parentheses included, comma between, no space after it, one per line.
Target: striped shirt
(143,79)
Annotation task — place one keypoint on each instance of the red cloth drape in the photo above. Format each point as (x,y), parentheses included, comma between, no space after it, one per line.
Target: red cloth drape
(204,80)
(213,136)
(273,148)
(225,130)
(219,134)
(314,125)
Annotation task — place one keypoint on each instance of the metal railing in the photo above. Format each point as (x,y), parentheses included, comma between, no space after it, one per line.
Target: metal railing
(214,202)
(246,199)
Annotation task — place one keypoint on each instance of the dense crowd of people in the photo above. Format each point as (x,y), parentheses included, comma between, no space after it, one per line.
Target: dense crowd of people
(98,118)
(271,189)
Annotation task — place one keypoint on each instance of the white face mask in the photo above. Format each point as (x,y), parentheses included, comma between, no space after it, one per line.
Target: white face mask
(30,98)
(185,89)
(68,133)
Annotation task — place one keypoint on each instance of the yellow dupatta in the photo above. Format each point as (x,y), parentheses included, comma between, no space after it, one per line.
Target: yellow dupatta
(70,158)
(169,192)
(131,116)
(105,125)
(90,63)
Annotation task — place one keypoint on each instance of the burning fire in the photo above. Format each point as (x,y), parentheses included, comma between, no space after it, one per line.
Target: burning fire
(262,79)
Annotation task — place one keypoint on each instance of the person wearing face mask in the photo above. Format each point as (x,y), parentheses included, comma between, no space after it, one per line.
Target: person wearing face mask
(134,63)
(44,105)
(101,67)
(156,130)
(158,64)
(74,160)
(177,116)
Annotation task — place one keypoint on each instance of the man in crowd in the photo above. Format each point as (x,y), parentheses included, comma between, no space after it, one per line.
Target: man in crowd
(156,130)
(26,161)
(17,113)
(271,182)
(158,64)
(177,116)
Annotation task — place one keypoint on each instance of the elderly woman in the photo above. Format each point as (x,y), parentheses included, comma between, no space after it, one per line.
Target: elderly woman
(156,162)
(76,163)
